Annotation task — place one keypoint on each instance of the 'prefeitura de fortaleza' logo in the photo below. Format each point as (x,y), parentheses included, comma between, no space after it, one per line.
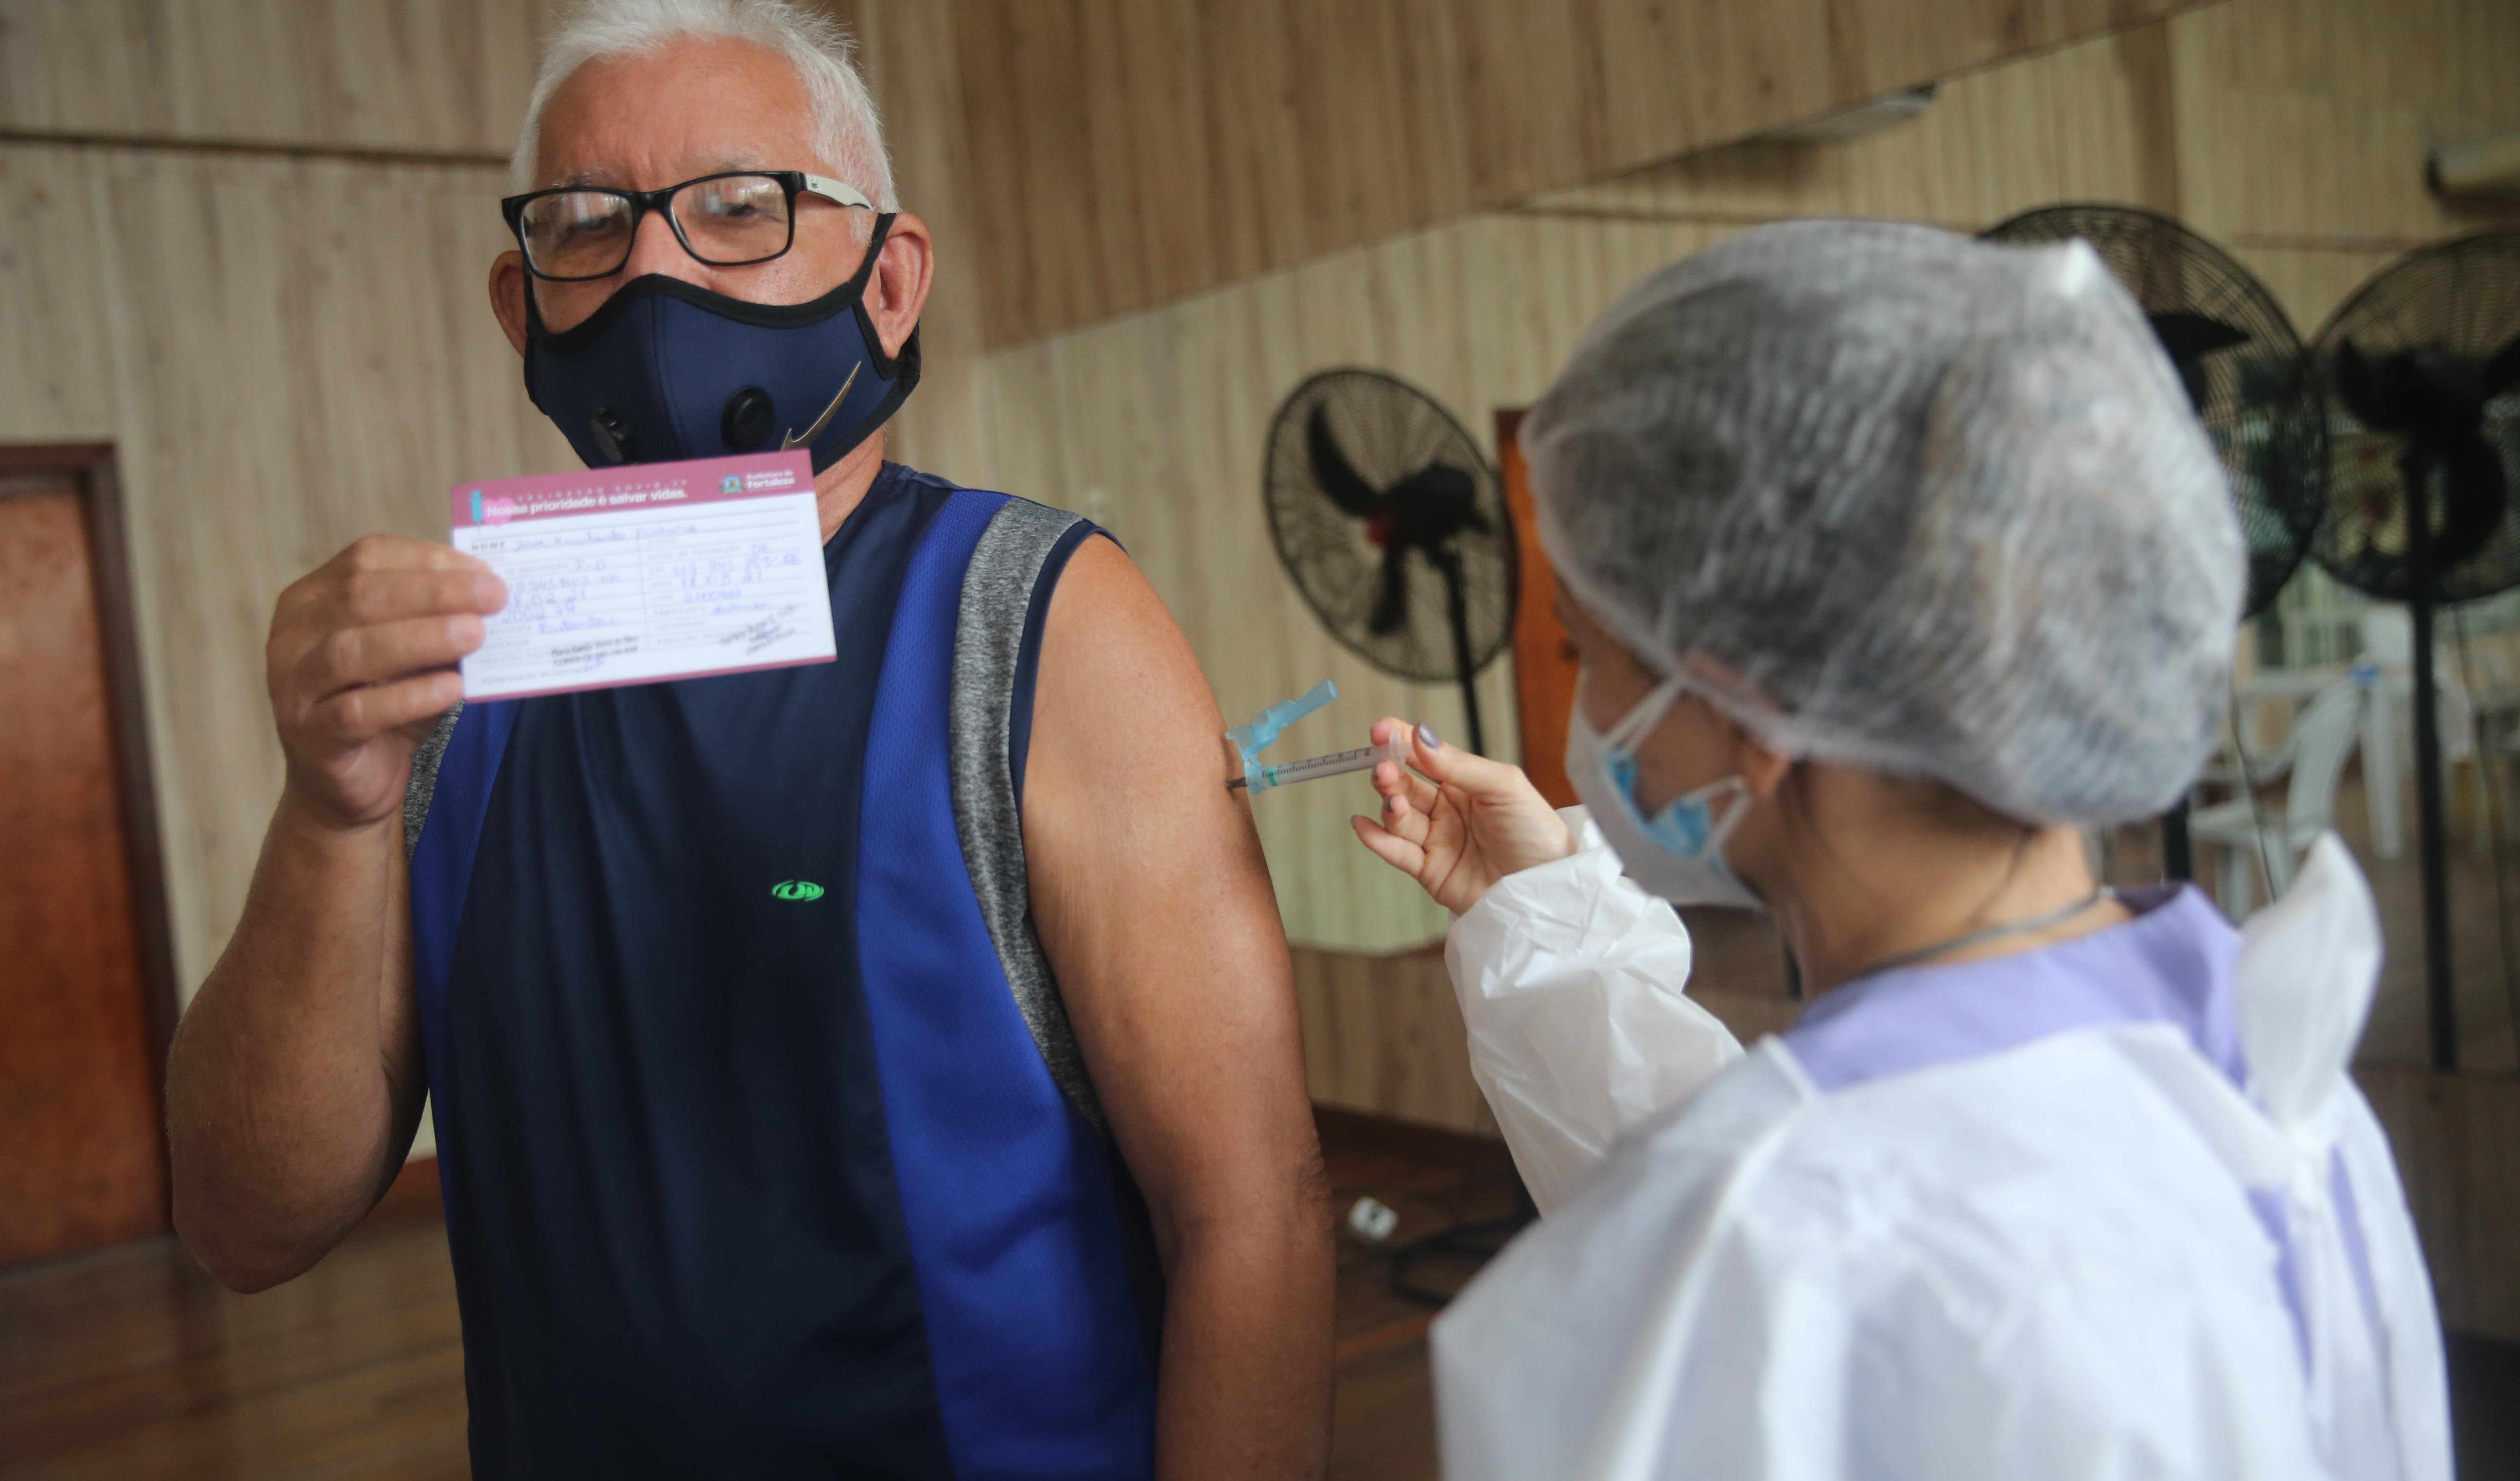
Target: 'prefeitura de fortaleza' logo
(797,889)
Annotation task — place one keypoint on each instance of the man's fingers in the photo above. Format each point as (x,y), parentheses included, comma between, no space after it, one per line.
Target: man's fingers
(326,591)
(383,553)
(369,598)
(363,655)
(356,716)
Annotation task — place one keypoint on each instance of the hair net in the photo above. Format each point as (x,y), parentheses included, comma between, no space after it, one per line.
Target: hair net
(1901,500)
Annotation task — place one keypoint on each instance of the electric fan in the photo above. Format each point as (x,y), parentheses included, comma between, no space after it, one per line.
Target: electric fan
(2241,363)
(1394,527)
(2424,360)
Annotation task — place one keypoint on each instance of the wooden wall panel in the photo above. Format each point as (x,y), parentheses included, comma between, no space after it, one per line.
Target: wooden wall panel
(906,50)
(280,376)
(1128,153)
(2267,124)
(2087,121)
(2305,121)
(447,77)
(1384,1034)
(57,372)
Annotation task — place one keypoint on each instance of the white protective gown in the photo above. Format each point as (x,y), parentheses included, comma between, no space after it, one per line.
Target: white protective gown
(2110,1208)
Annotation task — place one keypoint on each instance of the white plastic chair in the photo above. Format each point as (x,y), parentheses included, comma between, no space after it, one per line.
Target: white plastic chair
(2314,755)
(2388,636)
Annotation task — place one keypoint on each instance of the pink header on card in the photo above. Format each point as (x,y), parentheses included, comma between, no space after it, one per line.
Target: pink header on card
(636,485)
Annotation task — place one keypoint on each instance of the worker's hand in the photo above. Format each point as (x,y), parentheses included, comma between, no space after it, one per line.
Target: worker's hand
(1463,825)
(361,662)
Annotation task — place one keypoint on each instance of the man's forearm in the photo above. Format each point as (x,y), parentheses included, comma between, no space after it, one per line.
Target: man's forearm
(1244,1389)
(282,1111)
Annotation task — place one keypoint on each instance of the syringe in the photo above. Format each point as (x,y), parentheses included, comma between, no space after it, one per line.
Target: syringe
(1340,764)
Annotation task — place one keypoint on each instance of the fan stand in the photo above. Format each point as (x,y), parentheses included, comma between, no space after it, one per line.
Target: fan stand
(1457,608)
(2441,1011)
(1483,1238)
(2178,853)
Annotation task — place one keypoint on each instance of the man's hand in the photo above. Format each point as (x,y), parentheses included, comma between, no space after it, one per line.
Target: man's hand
(360,665)
(1154,908)
(1462,824)
(295,1082)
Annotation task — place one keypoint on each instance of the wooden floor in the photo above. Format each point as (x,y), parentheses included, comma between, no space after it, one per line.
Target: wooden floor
(133,1364)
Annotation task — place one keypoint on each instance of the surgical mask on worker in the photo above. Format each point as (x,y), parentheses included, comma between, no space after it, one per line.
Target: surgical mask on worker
(667,370)
(1678,853)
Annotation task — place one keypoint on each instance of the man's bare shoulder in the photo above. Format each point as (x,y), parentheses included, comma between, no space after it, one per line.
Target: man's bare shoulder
(1116,667)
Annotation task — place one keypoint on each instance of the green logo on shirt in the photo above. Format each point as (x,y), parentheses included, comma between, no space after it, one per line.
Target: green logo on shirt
(797,889)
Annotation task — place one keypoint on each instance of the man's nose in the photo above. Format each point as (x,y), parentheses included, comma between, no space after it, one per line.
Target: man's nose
(656,249)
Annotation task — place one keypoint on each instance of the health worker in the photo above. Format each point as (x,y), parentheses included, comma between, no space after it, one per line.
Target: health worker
(1894,562)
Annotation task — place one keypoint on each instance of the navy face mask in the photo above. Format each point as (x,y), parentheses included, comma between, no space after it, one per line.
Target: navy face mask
(666,369)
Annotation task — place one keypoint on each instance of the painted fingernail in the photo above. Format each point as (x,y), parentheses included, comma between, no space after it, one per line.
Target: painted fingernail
(1427,737)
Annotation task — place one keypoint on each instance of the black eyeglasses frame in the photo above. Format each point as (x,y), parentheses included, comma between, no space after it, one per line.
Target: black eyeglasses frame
(795,182)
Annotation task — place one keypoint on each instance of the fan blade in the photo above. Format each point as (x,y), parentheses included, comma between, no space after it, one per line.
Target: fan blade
(2474,492)
(1390,593)
(2189,338)
(2503,371)
(1337,478)
(2358,386)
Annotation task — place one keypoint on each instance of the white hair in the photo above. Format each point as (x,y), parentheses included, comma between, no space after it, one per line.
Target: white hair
(847,131)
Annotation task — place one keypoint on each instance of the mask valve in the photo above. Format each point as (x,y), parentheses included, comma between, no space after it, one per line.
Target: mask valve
(749,420)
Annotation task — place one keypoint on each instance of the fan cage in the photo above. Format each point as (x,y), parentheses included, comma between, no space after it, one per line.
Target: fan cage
(2262,407)
(1389,430)
(2463,295)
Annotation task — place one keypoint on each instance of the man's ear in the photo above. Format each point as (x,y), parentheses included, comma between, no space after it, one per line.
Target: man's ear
(508,296)
(897,292)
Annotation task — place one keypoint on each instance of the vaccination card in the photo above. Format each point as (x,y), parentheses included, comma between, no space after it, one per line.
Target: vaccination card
(647,572)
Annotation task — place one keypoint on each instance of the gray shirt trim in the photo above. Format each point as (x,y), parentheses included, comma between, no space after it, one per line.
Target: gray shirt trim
(988,640)
(423,787)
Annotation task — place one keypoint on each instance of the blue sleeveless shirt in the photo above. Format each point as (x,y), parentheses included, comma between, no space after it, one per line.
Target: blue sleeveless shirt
(763,1153)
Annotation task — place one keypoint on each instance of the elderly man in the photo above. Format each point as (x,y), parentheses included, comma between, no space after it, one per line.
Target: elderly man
(992,1158)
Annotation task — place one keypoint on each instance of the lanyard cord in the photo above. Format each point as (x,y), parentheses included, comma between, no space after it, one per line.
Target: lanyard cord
(2055,917)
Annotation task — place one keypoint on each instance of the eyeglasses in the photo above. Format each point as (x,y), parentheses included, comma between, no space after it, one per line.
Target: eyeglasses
(579,232)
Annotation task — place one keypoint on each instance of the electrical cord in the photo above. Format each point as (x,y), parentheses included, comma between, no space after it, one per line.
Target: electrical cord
(1481,1240)
(2249,789)
(1460,1237)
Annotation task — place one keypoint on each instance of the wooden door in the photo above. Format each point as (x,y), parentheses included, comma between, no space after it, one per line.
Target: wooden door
(1544,656)
(82,1150)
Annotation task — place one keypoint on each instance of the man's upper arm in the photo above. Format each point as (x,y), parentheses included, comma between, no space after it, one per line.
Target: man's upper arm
(1155,906)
